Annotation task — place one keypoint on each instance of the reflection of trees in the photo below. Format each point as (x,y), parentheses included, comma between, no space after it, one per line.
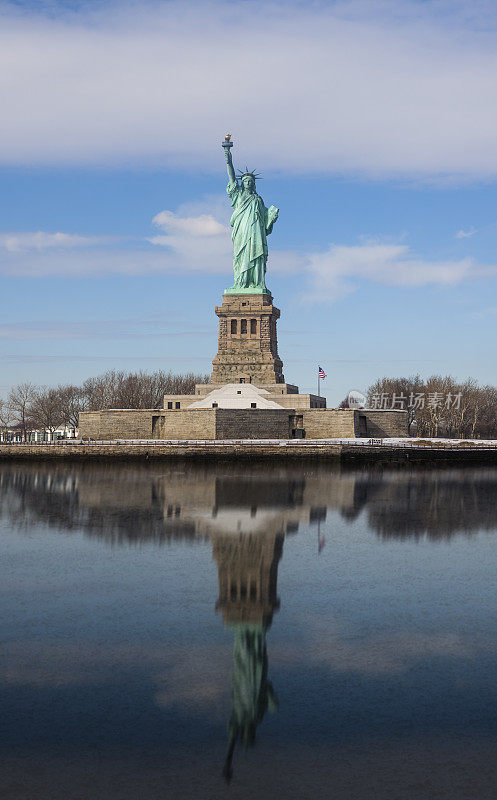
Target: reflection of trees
(133,504)
(58,498)
(247,577)
(435,503)
(129,503)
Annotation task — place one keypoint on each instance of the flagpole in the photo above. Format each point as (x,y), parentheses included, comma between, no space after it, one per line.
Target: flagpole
(319,384)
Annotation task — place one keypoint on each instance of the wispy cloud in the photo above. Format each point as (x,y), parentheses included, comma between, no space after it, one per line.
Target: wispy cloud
(41,240)
(138,328)
(117,358)
(43,253)
(336,271)
(196,676)
(461,234)
(200,242)
(405,88)
(203,225)
(388,654)
(192,239)
(484,312)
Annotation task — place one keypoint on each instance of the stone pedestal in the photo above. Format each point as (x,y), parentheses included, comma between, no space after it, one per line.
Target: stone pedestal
(248,346)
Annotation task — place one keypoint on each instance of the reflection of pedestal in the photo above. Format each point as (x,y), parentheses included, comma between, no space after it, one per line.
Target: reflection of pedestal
(247,574)
(248,346)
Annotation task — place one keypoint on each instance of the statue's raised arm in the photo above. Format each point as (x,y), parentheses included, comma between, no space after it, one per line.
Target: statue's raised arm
(227,145)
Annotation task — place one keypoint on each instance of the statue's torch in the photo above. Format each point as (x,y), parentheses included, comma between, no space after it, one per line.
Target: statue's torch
(227,145)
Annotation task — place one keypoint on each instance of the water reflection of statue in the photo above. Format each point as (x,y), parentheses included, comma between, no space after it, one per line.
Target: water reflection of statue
(247,574)
(252,694)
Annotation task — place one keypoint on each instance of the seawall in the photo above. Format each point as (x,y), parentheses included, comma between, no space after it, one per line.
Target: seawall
(381,452)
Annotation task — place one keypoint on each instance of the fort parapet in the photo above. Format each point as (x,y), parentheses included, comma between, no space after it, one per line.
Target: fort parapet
(219,423)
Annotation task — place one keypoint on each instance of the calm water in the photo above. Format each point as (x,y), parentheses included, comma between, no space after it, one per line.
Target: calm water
(247,633)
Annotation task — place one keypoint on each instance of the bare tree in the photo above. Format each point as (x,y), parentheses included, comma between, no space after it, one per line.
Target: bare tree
(399,393)
(6,416)
(72,401)
(116,389)
(49,407)
(19,402)
(99,392)
(46,410)
(488,412)
(442,405)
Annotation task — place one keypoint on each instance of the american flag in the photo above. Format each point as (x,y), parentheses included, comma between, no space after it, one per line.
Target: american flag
(321,373)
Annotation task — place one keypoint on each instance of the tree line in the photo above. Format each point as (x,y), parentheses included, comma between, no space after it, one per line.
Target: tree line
(440,406)
(29,407)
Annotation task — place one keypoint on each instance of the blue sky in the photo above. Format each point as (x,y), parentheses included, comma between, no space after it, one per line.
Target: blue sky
(374,126)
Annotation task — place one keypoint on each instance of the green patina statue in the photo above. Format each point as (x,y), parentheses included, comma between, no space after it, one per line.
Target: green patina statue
(252,222)
(252,693)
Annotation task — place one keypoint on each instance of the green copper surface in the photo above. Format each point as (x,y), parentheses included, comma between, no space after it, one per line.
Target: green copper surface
(252,223)
(252,693)
(248,290)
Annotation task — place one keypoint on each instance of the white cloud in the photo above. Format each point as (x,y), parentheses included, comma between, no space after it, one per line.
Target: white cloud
(383,88)
(335,272)
(92,262)
(99,262)
(190,243)
(465,234)
(41,240)
(391,653)
(196,676)
(204,225)
(200,243)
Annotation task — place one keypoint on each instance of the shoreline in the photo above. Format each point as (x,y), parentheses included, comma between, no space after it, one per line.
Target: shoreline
(377,451)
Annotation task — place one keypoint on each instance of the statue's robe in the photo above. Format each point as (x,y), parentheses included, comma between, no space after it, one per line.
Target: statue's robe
(252,694)
(249,221)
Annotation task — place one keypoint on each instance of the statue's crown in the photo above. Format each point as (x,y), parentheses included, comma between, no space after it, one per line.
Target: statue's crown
(255,175)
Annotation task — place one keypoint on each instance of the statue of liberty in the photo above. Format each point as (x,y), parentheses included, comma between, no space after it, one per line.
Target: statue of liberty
(252,222)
